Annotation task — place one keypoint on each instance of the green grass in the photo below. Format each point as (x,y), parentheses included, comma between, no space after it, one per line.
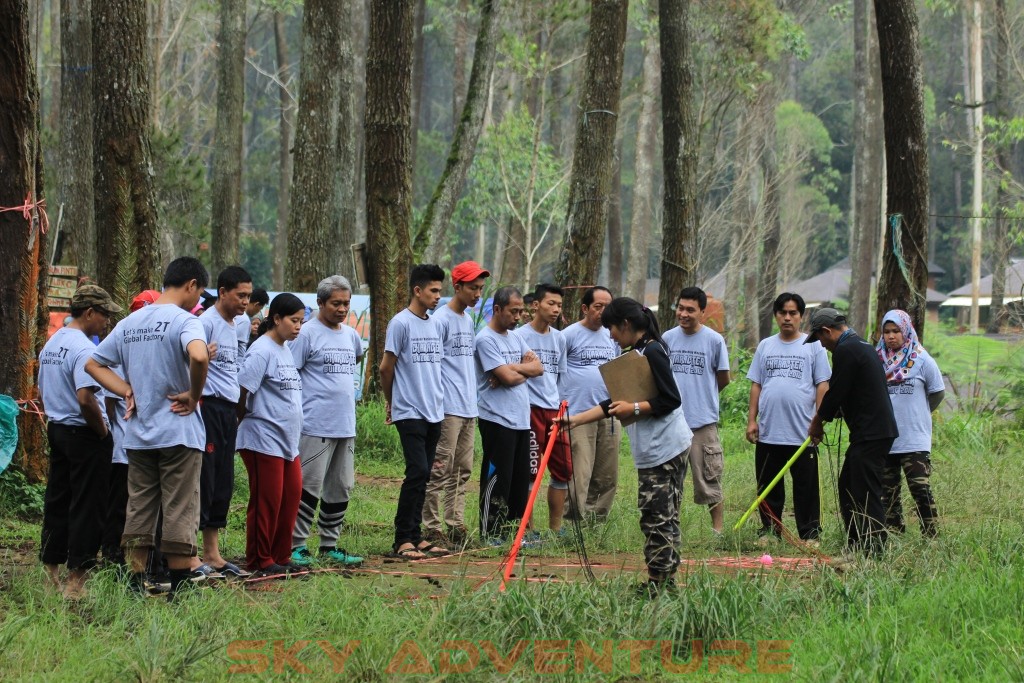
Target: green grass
(947,609)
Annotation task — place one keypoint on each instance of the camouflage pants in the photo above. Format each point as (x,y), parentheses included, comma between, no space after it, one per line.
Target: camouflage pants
(918,468)
(660,492)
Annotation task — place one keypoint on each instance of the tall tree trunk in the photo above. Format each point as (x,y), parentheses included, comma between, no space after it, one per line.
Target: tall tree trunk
(977,162)
(313,248)
(513,262)
(418,70)
(591,177)
(680,153)
(286,117)
(361,22)
(459,41)
(615,225)
(768,280)
(430,235)
(348,141)
(903,282)
(225,218)
(1000,237)
(75,165)
(641,224)
(23,312)
(125,201)
(867,183)
(388,174)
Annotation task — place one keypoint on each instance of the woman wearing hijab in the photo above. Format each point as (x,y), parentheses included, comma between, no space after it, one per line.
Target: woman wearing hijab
(915,390)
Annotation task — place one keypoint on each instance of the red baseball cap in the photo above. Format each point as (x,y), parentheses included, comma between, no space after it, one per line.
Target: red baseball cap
(467,271)
(144,299)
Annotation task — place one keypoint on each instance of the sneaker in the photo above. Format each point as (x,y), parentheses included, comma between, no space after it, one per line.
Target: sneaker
(811,543)
(339,556)
(272,571)
(302,557)
(532,539)
(494,542)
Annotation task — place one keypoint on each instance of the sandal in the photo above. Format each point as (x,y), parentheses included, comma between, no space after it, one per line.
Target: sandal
(203,573)
(410,553)
(232,571)
(432,550)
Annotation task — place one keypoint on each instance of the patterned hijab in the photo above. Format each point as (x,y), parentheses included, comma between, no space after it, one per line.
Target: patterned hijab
(901,364)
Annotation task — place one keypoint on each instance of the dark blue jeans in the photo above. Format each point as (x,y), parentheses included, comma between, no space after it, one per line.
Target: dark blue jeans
(419,445)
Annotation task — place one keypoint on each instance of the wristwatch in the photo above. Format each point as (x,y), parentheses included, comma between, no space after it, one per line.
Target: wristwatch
(636,408)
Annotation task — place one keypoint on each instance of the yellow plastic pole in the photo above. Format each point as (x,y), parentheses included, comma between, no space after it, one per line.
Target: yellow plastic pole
(771,485)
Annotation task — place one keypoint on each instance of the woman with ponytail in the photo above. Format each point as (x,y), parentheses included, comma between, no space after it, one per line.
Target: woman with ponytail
(270,421)
(659,438)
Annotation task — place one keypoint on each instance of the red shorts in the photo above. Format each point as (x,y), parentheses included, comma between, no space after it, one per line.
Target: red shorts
(560,462)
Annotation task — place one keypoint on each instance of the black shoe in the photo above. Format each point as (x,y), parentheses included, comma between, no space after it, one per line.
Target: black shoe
(141,585)
(181,580)
(274,571)
(651,589)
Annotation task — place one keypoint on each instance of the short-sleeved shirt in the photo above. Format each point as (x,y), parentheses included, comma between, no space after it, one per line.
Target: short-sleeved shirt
(458,375)
(508,406)
(550,348)
(62,373)
(120,457)
(696,361)
(274,419)
(416,393)
(222,377)
(909,400)
(788,373)
(327,360)
(151,346)
(585,351)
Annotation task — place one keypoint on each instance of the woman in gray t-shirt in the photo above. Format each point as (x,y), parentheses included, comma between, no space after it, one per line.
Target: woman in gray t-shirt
(270,421)
(915,390)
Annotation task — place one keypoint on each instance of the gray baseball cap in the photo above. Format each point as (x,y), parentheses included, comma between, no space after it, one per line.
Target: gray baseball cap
(823,317)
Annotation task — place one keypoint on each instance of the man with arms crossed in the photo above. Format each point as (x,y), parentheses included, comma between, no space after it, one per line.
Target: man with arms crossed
(162,350)
(410,375)
(547,342)
(595,446)
(503,364)
(227,334)
(454,462)
(788,379)
(700,364)
(327,354)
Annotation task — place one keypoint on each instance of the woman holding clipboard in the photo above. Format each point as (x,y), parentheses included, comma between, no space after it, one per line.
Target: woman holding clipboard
(659,438)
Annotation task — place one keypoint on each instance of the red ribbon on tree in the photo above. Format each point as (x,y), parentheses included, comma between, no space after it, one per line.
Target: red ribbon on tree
(28,207)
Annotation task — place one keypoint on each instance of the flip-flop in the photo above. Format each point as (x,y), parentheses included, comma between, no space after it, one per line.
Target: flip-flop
(232,571)
(432,550)
(411,553)
(204,572)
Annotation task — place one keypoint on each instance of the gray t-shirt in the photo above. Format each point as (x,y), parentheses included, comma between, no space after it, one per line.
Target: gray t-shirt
(417,393)
(62,373)
(788,373)
(696,360)
(508,406)
(117,426)
(222,377)
(458,376)
(327,360)
(550,348)
(274,419)
(151,346)
(585,351)
(910,406)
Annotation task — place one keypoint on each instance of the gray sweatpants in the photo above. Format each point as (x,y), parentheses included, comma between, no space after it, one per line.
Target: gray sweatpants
(328,475)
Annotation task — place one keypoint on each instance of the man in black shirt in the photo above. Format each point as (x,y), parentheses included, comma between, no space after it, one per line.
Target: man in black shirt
(857,390)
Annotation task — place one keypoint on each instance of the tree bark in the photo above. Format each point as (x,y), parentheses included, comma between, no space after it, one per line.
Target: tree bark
(1000,237)
(977,162)
(225,218)
(388,174)
(23,312)
(768,280)
(313,249)
(348,142)
(125,201)
(591,177)
(615,225)
(903,284)
(868,167)
(459,41)
(286,116)
(418,69)
(75,160)
(430,235)
(641,224)
(680,153)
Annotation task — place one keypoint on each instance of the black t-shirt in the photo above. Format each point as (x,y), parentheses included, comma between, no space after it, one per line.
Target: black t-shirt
(858,390)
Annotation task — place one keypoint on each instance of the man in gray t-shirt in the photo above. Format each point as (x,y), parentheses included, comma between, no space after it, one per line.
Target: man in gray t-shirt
(162,351)
(700,365)
(454,463)
(788,379)
(503,365)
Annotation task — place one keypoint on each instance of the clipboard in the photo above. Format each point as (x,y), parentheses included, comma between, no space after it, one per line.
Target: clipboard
(628,378)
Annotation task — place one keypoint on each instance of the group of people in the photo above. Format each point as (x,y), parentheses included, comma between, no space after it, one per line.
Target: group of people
(144,427)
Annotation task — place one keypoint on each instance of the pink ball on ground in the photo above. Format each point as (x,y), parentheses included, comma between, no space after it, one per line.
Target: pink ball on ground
(766,560)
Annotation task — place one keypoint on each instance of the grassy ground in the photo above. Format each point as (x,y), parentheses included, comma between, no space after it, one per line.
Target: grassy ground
(947,609)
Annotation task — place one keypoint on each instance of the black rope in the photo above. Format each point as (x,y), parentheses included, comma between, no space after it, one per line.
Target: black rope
(577,527)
